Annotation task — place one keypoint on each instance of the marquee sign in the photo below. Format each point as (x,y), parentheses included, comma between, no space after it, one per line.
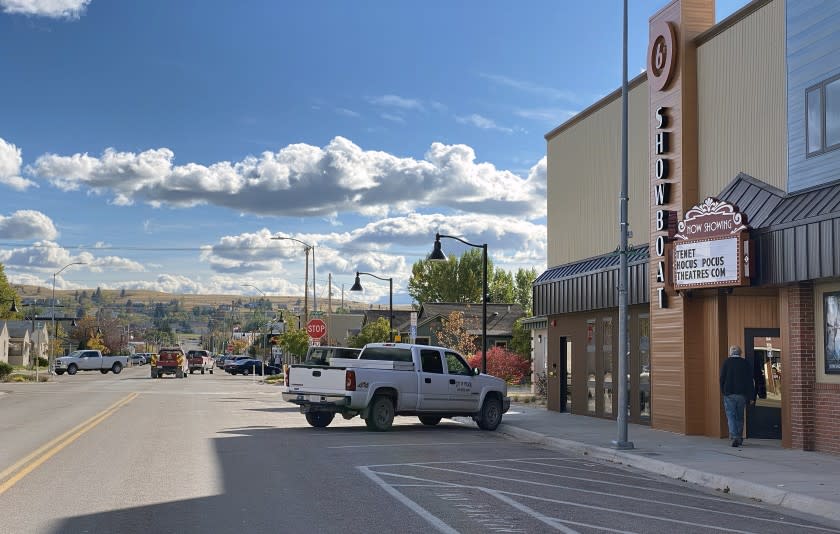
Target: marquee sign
(711,247)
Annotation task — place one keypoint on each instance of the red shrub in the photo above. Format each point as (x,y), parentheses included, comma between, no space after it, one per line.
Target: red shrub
(504,364)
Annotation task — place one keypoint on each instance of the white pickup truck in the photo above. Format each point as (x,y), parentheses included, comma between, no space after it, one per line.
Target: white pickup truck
(89,360)
(391,379)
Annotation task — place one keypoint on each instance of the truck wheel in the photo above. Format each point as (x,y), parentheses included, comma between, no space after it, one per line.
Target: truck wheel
(117,368)
(71,369)
(179,373)
(202,370)
(490,415)
(381,415)
(59,373)
(246,371)
(319,419)
(429,420)
(191,371)
(154,373)
(104,371)
(211,371)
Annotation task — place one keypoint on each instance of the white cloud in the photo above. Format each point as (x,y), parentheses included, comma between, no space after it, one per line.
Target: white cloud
(392,117)
(479,121)
(27,224)
(57,9)
(47,256)
(10,162)
(394,101)
(531,87)
(303,180)
(548,115)
(348,112)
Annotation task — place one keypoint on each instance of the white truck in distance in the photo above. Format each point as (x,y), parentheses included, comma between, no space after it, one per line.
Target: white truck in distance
(89,360)
(391,379)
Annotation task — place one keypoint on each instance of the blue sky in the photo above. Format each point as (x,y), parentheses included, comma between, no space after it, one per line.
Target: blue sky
(164,143)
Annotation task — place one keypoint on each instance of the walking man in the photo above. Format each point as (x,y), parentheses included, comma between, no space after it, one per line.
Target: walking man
(736,386)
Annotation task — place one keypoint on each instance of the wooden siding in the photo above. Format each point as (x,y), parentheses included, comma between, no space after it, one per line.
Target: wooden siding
(813,55)
(742,100)
(583,174)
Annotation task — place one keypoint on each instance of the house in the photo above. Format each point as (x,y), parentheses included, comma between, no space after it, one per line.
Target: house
(341,326)
(40,346)
(500,320)
(4,343)
(19,342)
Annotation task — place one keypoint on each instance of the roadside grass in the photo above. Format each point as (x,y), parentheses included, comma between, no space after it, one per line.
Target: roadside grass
(17,377)
(273,379)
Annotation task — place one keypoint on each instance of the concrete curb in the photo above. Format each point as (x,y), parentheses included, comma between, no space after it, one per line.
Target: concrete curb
(742,488)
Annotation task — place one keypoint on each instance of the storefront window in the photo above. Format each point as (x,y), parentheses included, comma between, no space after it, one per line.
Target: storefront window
(644,366)
(607,355)
(590,366)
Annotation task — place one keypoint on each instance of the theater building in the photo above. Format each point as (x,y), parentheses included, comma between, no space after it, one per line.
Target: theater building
(734,182)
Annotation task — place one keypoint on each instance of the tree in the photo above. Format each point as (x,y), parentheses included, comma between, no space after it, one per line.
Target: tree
(451,281)
(524,289)
(501,287)
(521,341)
(375,332)
(453,334)
(7,296)
(294,341)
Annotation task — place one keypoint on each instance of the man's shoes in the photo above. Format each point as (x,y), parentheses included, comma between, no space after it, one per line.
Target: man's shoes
(738,442)
(734,442)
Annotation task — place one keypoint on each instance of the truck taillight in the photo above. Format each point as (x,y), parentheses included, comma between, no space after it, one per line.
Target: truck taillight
(350,380)
(286,375)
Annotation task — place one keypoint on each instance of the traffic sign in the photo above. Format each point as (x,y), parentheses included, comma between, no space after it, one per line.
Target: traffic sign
(316,328)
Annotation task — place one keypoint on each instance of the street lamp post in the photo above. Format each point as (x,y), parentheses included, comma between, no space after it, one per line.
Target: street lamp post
(438,255)
(357,286)
(52,306)
(306,248)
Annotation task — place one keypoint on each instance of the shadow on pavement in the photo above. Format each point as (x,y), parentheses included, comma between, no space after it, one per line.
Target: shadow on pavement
(279,492)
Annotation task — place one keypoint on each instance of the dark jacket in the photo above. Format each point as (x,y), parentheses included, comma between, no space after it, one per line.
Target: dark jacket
(736,377)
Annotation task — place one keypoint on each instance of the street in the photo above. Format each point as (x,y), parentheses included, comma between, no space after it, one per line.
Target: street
(218,453)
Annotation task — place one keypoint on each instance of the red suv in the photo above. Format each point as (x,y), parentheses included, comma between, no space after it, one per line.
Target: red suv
(200,360)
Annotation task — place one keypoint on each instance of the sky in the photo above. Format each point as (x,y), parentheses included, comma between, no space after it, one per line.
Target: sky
(163,144)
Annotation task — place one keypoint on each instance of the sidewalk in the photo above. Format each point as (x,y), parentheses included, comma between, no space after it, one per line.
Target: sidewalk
(808,482)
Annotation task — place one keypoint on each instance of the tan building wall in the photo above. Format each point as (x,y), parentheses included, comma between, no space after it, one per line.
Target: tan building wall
(584,166)
(742,99)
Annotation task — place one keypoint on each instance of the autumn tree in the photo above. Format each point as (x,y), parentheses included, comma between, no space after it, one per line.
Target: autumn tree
(453,333)
(294,341)
(500,288)
(7,296)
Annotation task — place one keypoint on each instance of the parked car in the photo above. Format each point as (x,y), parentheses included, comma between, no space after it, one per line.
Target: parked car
(231,361)
(200,360)
(252,365)
(89,360)
(137,359)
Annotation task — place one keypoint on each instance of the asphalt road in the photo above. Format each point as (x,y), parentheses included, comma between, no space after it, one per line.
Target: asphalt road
(123,453)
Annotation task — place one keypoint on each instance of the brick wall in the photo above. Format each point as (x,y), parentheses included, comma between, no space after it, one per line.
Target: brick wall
(827,408)
(802,369)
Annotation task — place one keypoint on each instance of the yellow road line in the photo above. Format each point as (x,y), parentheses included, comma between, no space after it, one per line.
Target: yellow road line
(29,463)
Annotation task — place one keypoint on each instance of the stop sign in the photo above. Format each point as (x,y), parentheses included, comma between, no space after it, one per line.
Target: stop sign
(316,328)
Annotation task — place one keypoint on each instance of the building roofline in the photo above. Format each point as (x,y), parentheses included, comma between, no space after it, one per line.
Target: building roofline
(702,38)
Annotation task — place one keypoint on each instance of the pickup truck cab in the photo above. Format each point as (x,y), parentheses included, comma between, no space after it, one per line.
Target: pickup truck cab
(169,361)
(200,360)
(89,360)
(390,379)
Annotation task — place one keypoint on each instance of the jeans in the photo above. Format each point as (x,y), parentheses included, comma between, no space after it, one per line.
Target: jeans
(734,406)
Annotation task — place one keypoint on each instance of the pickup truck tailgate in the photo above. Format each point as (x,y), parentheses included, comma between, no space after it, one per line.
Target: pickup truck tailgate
(311,379)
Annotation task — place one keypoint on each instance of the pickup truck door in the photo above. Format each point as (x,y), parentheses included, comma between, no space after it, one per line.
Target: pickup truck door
(463,396)
(434,384)
(90,360)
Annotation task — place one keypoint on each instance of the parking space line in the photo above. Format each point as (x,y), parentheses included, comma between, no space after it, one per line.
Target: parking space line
(530,511)
(29,463)
(416,508)
(404,445)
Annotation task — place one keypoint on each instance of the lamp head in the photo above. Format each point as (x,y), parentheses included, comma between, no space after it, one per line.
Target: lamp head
(357,286)
(437,254)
